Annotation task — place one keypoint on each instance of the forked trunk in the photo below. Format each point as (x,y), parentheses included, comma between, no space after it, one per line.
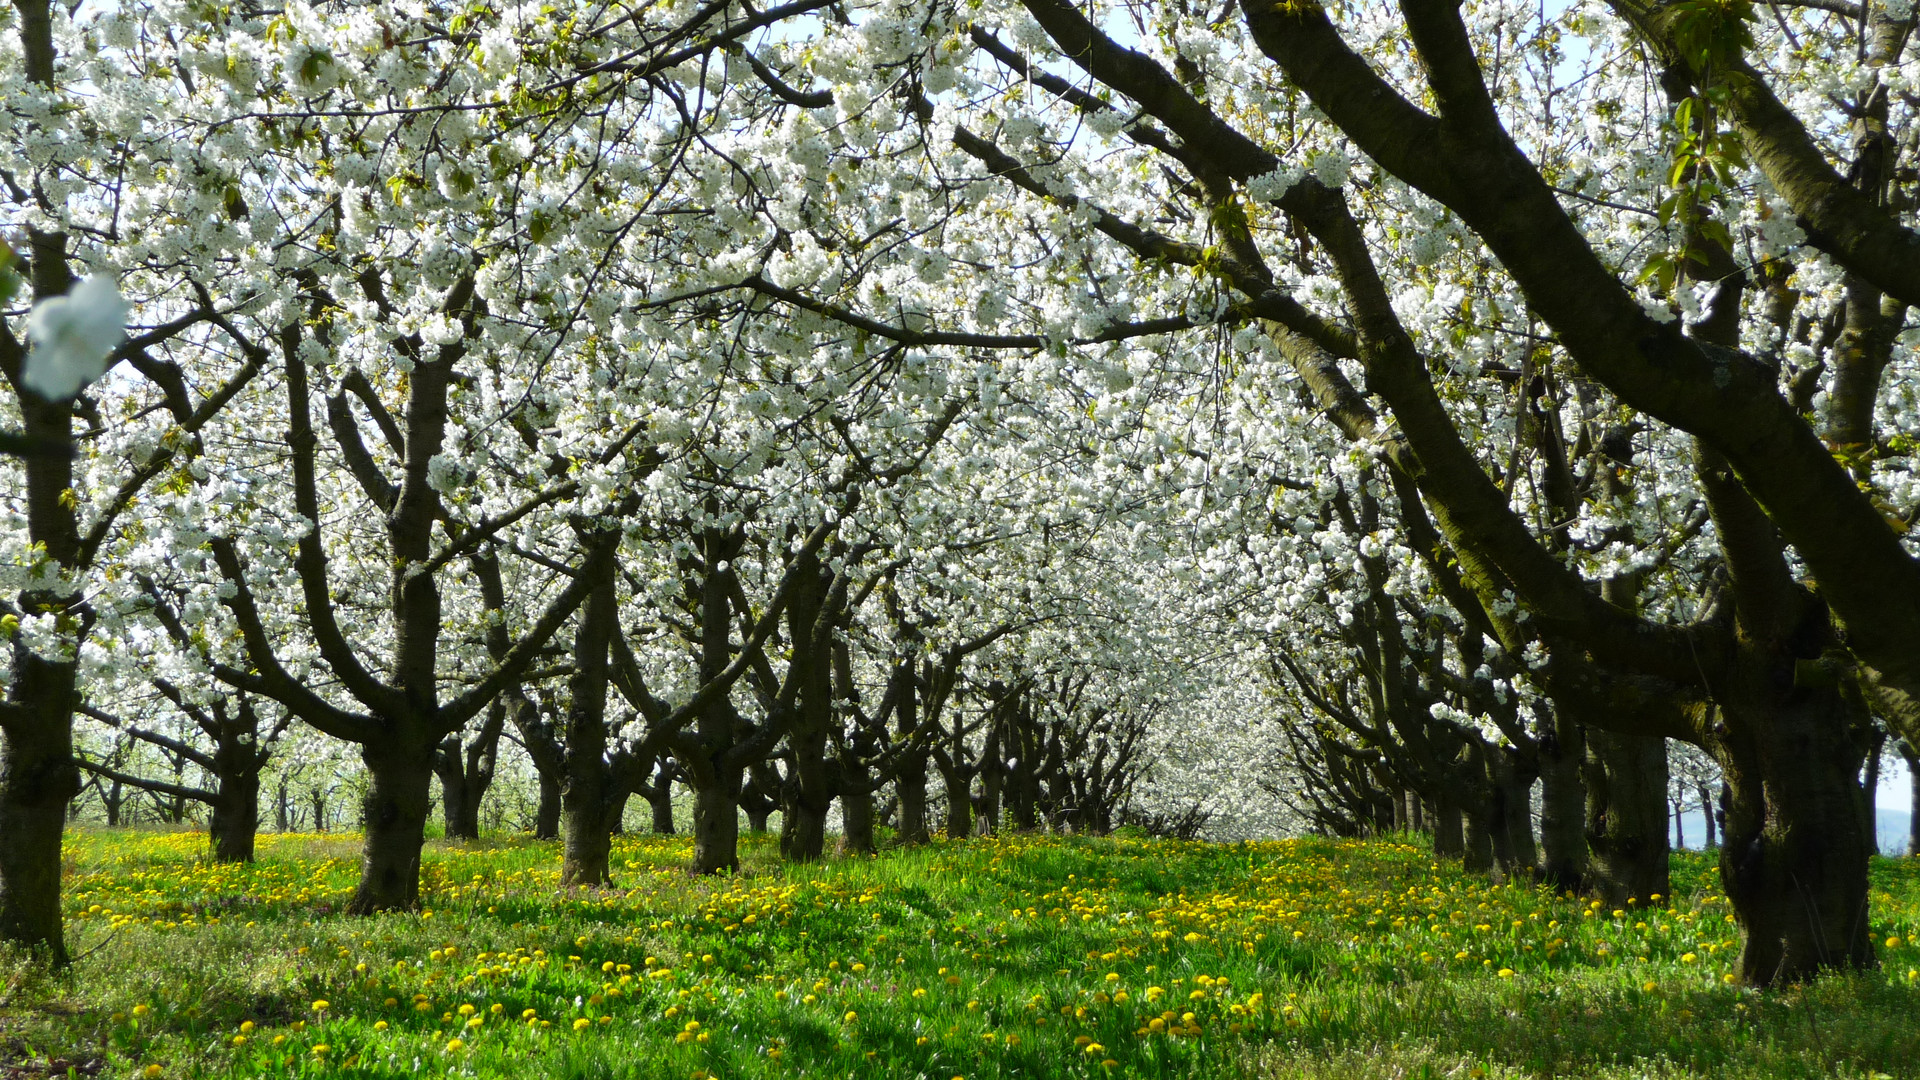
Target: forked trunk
(399,797)
(1515,857)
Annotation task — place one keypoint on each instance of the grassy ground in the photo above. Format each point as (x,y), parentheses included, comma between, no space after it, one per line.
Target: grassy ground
(1018,957)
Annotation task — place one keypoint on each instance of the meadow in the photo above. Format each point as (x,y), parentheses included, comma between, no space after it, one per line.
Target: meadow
(1011,957)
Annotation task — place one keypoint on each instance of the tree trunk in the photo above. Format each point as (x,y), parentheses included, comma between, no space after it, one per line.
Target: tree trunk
(546,815)
(803,830)
(960,806)
(991,787)
(319,800)
(1510,782)
(617,813)
(1679,825)
(1793,860)
(759,795)
(1870,791)
(856,823)
(910,786)
(1478,834)
(1449,830)
(716,821)
(1911,756)
(589,836)
(236,816)
(398,801)
(590,800)
(660,800)
(1627,816)
(457,809)
(1563,807)
(1707,811)
(37,780)
(466,772)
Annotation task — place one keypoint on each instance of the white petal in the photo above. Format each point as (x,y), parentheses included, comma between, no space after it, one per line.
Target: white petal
(72,337)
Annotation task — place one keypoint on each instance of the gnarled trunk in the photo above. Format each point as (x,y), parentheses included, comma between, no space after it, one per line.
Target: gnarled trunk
(1626,779)
(399,798)
(1793,859)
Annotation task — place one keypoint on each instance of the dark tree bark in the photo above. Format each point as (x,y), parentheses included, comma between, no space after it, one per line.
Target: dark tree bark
(1449,829)
(1626,780)
(1911,756)
(546,813)
(398,800)
(760,794)
(590,802)
(910,776)
(1563,810)
(466,772)
(659,795)
(812,613)
(1709,812)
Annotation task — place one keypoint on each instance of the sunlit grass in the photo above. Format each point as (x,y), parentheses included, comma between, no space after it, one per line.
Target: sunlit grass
(1024,956)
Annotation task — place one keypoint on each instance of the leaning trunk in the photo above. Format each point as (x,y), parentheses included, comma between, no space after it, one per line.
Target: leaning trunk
(1627,816)
(399,798)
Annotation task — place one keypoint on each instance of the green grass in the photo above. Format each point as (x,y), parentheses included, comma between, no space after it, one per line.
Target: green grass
(1018,957)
